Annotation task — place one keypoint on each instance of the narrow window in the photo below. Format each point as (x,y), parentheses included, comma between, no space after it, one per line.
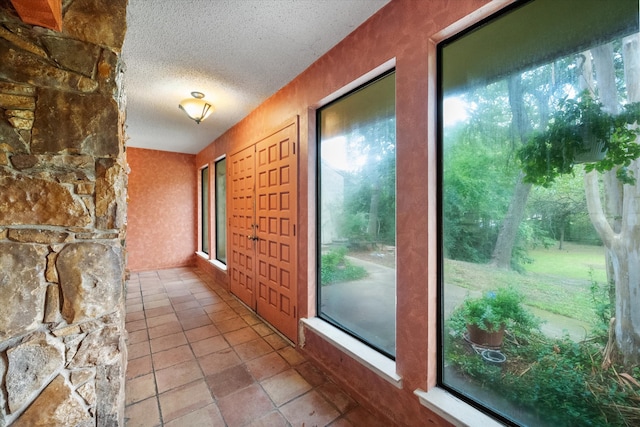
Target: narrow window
(221,210)
(537,106)
(356,213)
(204,207)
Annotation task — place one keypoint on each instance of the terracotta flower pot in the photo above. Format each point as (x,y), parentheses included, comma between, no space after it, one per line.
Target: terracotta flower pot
(484,338)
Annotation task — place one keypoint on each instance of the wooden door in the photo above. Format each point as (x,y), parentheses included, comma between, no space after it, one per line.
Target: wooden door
(262,226)
(241,201)
(276,212)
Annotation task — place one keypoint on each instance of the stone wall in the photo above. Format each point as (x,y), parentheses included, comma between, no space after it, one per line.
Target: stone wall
(62,218)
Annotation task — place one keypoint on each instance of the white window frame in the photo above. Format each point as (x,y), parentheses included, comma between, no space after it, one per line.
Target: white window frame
(201,212)
(214,240)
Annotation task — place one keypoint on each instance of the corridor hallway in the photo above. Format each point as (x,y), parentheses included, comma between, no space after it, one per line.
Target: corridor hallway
(197,357)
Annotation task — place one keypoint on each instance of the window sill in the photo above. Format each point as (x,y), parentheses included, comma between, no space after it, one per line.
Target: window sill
(453,409)
(213,262)
(381,365)
(218,264)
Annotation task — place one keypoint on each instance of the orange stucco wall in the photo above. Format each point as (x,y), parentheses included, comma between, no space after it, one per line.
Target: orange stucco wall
(405,32)
(161,217)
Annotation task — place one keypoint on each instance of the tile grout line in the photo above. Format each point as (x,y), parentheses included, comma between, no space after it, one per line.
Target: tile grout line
(153,370)
(194,284)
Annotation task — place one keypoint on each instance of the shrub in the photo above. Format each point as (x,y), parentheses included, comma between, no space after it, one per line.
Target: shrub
(559,381)
(334,267)
(493,309)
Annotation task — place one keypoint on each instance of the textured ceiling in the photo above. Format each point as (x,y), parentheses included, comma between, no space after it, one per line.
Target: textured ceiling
(238,52)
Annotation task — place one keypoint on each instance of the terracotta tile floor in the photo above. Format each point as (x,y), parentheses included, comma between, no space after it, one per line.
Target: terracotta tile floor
(197,357)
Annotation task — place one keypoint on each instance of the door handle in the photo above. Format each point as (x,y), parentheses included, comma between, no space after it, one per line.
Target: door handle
(253,237)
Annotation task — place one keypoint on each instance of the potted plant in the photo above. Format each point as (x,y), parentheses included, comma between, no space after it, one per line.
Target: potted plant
(487,317)
(581,131)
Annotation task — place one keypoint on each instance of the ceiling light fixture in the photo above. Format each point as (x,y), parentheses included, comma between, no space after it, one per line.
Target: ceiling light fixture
(196,108)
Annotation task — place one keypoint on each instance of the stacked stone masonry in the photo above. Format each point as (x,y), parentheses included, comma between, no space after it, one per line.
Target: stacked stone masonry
(62,218)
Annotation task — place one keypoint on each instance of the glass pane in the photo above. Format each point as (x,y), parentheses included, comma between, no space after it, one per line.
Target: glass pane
(204,179)
(357,220)
(221,210)
(534,213)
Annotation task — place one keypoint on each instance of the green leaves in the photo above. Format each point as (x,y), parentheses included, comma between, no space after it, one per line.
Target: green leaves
(334,267)
(623,147)
(494,309)
(556,151)
(559,379)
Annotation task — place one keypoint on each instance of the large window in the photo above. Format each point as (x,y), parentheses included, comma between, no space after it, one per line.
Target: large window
(221,210)
(204,208)
(539,195)
(356,214)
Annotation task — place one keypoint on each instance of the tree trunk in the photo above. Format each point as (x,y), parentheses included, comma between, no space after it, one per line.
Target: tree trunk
(508,234)
(623,249)
(563,223)
(502,252)
(605,72)
(603,62)
(372,227)
(618,223)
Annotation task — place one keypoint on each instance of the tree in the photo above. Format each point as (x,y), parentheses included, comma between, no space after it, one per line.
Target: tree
(477,174)
(473,201)
(521,127)
(541,83)
(370,189)
(558,205)
(618,221)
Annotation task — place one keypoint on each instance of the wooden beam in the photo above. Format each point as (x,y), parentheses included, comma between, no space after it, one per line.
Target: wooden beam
(44,13)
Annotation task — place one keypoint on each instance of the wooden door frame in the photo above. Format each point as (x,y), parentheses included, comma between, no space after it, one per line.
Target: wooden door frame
(294,137)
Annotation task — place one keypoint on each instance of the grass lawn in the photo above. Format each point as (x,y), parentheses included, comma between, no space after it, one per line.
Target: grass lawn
(556,281)
(573,261)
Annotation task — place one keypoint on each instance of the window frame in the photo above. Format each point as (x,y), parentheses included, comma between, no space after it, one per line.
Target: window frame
(204,232)
(216,260)
(485,412)
(443,399)
(372,77)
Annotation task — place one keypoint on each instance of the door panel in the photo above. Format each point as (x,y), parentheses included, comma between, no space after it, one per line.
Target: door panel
(276,212)
(241,214)
(262,225)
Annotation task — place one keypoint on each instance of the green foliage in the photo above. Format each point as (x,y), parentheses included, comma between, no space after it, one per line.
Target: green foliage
(493,310)
(581,231)
(555,385)
(553,152)
(478,184)
(602,307)
(374,145)
(558,380)
(560,211)
(334,267)
(543,377)
(623,147)
(353,225)
(530,235)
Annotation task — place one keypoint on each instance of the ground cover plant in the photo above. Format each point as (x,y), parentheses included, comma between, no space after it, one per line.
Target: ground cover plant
(335,267)
(496,310)
(561,381)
